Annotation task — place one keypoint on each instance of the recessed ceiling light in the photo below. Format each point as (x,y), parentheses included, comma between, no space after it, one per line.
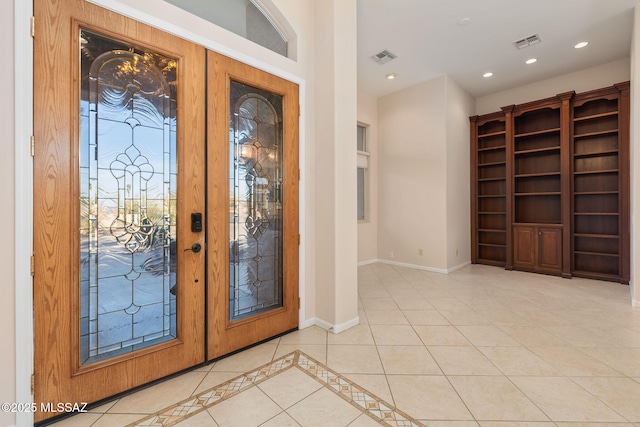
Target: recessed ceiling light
(581,45)
(531,61)
(486,75)
(391,76)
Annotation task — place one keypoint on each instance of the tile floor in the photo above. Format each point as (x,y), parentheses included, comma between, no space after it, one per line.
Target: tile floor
(481,347)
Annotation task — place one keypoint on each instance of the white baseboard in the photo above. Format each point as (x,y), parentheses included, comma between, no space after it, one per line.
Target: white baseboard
(422,267)
(307,323)
(336,329)
(635,303)
(371,261)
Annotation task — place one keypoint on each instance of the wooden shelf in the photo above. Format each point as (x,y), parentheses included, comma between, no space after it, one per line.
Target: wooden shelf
(559,203)
(491,164)
(592,134)
(596,172)
(596,213)
(537,150)
(598,236)
(598,254)
(595,116)
(540,193)
(486,135)
(534,175)
(596,154)
(539,132)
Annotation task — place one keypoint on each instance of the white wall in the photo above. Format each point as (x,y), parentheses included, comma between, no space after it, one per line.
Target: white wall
(336,116)
(460,105)
(412,175)
(368,229)
(635,160)
(7,218)
(580,81)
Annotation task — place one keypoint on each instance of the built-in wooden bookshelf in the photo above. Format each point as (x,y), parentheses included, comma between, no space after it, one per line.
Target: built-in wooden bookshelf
(550,185)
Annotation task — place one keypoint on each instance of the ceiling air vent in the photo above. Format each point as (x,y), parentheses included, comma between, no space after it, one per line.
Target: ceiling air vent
(383,57)
(527,41)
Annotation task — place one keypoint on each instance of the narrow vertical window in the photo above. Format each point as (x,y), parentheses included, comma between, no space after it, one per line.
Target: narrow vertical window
(363,166)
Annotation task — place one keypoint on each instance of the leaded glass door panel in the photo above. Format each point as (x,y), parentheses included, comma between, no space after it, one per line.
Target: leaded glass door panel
(119,168)
(253,217)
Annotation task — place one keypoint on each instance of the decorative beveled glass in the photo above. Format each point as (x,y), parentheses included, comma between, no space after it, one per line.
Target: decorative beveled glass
(128,175)
(255,201)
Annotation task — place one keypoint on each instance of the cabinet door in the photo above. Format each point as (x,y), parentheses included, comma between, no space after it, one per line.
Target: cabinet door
(524,246)
(550,248)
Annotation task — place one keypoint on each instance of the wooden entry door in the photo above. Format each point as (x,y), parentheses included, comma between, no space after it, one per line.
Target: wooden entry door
(252,205)
(118,170)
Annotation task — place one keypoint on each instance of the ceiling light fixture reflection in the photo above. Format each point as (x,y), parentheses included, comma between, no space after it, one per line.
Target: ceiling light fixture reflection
(487,75)
(391,76)
(581,45)
(531,61)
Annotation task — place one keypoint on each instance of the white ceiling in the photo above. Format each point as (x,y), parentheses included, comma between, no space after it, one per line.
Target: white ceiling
(429,42)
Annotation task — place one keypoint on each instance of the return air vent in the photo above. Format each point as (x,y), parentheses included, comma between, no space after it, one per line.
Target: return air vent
(383,57)
(527,41)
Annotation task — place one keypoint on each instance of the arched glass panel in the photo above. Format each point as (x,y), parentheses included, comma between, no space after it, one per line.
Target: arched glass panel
(245,18)
(127,198)
(256,201)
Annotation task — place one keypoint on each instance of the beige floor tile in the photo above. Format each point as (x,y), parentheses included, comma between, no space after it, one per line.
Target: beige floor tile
(573,362)
(487,336)
(407,360)
(623,360)
(377,292)
(311,335)
(440,335)
(447,304)
(104,408)
(281,420)
(582,337)
(533,336)
(386,317)
(202,419)
(317,351)
(425,317)
(596,425)
(430,423)
(515,424)
(415,303)
(359,334)
(621,394)
(495,398)
(427,398)
(247,359)
(152,399)
(115,420)
(80,420)
(247,409)
(464,317)
(409,292)
(462,360)
(501,317)
(323,408)
(364,420)
(379,303)
(518,361)
(356,359)
(289,387)
(374,383)
(564,400)
(395,335)
(213,379)
(363,317)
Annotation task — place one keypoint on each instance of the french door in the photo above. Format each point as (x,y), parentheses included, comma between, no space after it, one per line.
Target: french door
(146,227)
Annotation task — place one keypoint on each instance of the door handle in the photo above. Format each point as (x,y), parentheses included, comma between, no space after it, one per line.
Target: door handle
(196,247)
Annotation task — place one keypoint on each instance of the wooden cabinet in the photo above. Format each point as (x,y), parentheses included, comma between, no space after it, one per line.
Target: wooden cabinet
(550,185)
(537,248)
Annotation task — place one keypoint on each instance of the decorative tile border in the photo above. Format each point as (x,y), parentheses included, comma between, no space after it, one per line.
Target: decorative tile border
(365,401)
